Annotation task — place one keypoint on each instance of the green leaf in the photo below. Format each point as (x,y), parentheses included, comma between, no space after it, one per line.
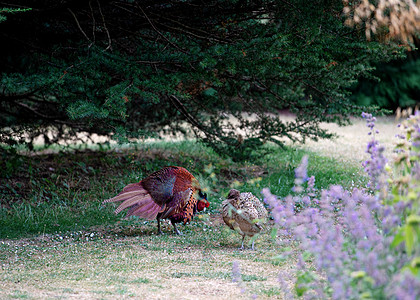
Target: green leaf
(301,282)
(398,238)
(409,238)
(358,274)
(413,220)
(413,266)
(415,262)
(273,233)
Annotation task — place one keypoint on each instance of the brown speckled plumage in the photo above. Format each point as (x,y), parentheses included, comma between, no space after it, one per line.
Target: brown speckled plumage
(169,193)
(244,213)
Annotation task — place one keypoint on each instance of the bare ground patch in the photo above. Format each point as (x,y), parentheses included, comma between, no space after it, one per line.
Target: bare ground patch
(351,142)
(100,265)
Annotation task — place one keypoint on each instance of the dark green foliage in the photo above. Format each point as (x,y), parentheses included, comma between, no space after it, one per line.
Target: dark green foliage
(134,68)
(396,84)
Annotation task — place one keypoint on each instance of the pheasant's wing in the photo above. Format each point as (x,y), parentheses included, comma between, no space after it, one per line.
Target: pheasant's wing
(157,193)
(228,213)
(177,203)
(251,202)
(248,218)
(250,224)
(262,211)
(249,214)
(160,185)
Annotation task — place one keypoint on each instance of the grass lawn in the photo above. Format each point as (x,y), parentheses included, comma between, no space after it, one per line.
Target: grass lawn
(56,240)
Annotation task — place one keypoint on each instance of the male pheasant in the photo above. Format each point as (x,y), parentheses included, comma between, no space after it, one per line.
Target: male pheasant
(243,212)
(169,193)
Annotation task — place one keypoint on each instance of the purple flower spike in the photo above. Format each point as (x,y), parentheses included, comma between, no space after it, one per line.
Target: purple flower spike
(375,166)
(349,236)
(301,170)
(236,272)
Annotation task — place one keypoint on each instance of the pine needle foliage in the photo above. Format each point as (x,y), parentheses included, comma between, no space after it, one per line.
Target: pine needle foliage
(134,68)
(4,11)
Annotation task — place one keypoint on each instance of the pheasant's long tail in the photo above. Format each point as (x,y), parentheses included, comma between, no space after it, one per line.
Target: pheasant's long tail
(138,200)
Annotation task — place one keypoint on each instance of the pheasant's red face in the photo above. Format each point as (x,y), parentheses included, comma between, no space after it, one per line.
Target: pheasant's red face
(202,204)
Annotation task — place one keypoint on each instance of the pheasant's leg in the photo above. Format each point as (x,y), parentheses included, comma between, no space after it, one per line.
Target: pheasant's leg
(177,232)
(252,247)
(242,246)
(159,230)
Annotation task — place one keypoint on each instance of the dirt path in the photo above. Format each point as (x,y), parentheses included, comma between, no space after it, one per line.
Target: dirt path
(350,146)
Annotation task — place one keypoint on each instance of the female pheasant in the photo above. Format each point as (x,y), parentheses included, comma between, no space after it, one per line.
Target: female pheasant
(243,212)
(169,193)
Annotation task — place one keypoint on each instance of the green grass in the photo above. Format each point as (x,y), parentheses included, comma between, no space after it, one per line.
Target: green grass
(272,292)
(63,192)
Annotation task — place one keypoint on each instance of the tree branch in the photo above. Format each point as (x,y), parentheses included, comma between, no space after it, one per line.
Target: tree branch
(78,25)
(159,33)
(36,112)
(178,104)
(106,29)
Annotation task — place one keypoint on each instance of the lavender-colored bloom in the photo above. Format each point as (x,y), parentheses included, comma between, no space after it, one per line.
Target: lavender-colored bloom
(236,272)
(349,233)
(311,184)
(284,286)
(301,175)
(405,286)
(237,276)
(338,290)
(375,165)
(301,170)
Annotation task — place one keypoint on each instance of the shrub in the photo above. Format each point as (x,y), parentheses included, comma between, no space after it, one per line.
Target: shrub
(363,243)
(394,84)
